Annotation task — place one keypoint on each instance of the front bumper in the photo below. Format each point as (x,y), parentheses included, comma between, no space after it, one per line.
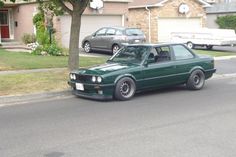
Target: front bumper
(91,91)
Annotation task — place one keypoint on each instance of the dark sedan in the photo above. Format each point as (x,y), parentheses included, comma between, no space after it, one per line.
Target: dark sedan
(142,67)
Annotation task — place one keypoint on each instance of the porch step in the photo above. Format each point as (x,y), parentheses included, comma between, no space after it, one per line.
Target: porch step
(13,45)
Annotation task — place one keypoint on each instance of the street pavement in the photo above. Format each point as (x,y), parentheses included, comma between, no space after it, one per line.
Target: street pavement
(172,122)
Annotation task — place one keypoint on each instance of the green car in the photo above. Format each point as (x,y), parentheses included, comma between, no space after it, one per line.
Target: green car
(136,68)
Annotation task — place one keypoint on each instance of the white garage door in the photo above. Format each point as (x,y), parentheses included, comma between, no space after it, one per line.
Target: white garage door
(168,25)
(89,24)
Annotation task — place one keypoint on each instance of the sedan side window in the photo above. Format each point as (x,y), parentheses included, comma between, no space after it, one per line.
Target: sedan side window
(163,54)
(111,31)
(101,32)
(181,52)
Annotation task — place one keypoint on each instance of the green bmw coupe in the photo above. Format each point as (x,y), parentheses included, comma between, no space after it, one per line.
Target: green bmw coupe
(137,68)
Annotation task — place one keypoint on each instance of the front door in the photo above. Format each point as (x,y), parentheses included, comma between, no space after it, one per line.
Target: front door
(160,72)
(4,24)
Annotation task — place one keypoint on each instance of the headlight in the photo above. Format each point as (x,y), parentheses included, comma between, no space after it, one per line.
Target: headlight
(99,79)
(94,79)
(72,77)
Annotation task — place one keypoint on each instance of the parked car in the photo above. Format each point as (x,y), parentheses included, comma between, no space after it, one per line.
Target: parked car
(111,39)
(142,67)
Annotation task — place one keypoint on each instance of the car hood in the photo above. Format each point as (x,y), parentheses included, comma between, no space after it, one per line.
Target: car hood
(106,68)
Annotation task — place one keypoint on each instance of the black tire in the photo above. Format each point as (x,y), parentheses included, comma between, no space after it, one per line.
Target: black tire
(196,80)
(190,45)
(87,47)
(125,89)
(209,47)
(115,48)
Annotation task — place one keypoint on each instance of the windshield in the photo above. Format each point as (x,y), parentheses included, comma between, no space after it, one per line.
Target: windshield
(131,54)
(133,31)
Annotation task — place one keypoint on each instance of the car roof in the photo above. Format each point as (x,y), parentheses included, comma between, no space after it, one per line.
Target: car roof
(153,45)
(121,28)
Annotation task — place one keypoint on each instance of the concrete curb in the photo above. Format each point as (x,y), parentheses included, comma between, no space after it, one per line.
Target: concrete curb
(37,97)
(224,57)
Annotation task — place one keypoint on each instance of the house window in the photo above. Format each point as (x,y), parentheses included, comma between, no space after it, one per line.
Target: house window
(3,18)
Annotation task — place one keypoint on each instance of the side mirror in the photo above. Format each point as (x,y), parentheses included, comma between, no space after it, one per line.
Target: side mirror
(94,34)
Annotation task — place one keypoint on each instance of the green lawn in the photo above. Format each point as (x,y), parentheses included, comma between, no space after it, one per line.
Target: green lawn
(214,53)
(17,84)
(21,60)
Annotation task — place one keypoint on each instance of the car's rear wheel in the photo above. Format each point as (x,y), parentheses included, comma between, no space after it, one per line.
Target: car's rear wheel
(125,89)
(196,80)
(115,48)
(87,47)
(190,45)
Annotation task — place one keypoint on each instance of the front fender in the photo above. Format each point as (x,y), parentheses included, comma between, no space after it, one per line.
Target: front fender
(124,75)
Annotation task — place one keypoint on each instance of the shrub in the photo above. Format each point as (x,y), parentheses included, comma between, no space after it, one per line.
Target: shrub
(28,38)
(227,22)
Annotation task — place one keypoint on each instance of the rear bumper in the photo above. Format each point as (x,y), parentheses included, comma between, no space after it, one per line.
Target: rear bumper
(209,73)
(91,91)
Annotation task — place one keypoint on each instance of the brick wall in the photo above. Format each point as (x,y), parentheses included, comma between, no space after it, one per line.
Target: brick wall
(139,17)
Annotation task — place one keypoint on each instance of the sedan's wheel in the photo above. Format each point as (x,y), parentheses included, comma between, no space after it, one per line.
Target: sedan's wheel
(125,89)
(87,47)
(196,80)
(209,47)
(190,45)
(115,48)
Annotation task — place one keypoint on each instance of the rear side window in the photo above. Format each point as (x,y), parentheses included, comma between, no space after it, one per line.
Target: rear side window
(119,32)
(181,52)
(111,31)
(133,32)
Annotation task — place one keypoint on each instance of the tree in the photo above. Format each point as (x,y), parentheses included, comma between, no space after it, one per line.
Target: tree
(75,9)
(227,22)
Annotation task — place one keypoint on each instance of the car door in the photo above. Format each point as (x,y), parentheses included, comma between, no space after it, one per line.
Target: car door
(160,72)
(184,61)
(109,38)
(97,40)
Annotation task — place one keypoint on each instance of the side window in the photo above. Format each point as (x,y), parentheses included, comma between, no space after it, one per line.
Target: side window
(119,32)
(111,31)
(181,52)
(101,32)
(163,54)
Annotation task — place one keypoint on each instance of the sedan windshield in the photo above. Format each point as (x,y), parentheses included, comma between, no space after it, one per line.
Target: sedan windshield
(131,54)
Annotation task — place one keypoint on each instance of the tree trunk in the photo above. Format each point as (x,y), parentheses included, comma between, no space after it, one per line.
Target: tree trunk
(73,61)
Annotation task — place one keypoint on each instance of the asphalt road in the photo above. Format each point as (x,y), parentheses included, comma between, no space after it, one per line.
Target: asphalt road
(167,123)
(226,66)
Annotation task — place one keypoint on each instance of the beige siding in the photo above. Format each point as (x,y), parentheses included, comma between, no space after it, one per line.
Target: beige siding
(23,15)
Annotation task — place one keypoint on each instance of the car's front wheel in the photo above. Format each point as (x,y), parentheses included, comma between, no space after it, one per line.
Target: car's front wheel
(87,47)
(125,89)
(196,80)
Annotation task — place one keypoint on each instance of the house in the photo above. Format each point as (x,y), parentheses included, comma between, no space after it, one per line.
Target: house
(111,13)
(220,8)
(16,19)
(158,18)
